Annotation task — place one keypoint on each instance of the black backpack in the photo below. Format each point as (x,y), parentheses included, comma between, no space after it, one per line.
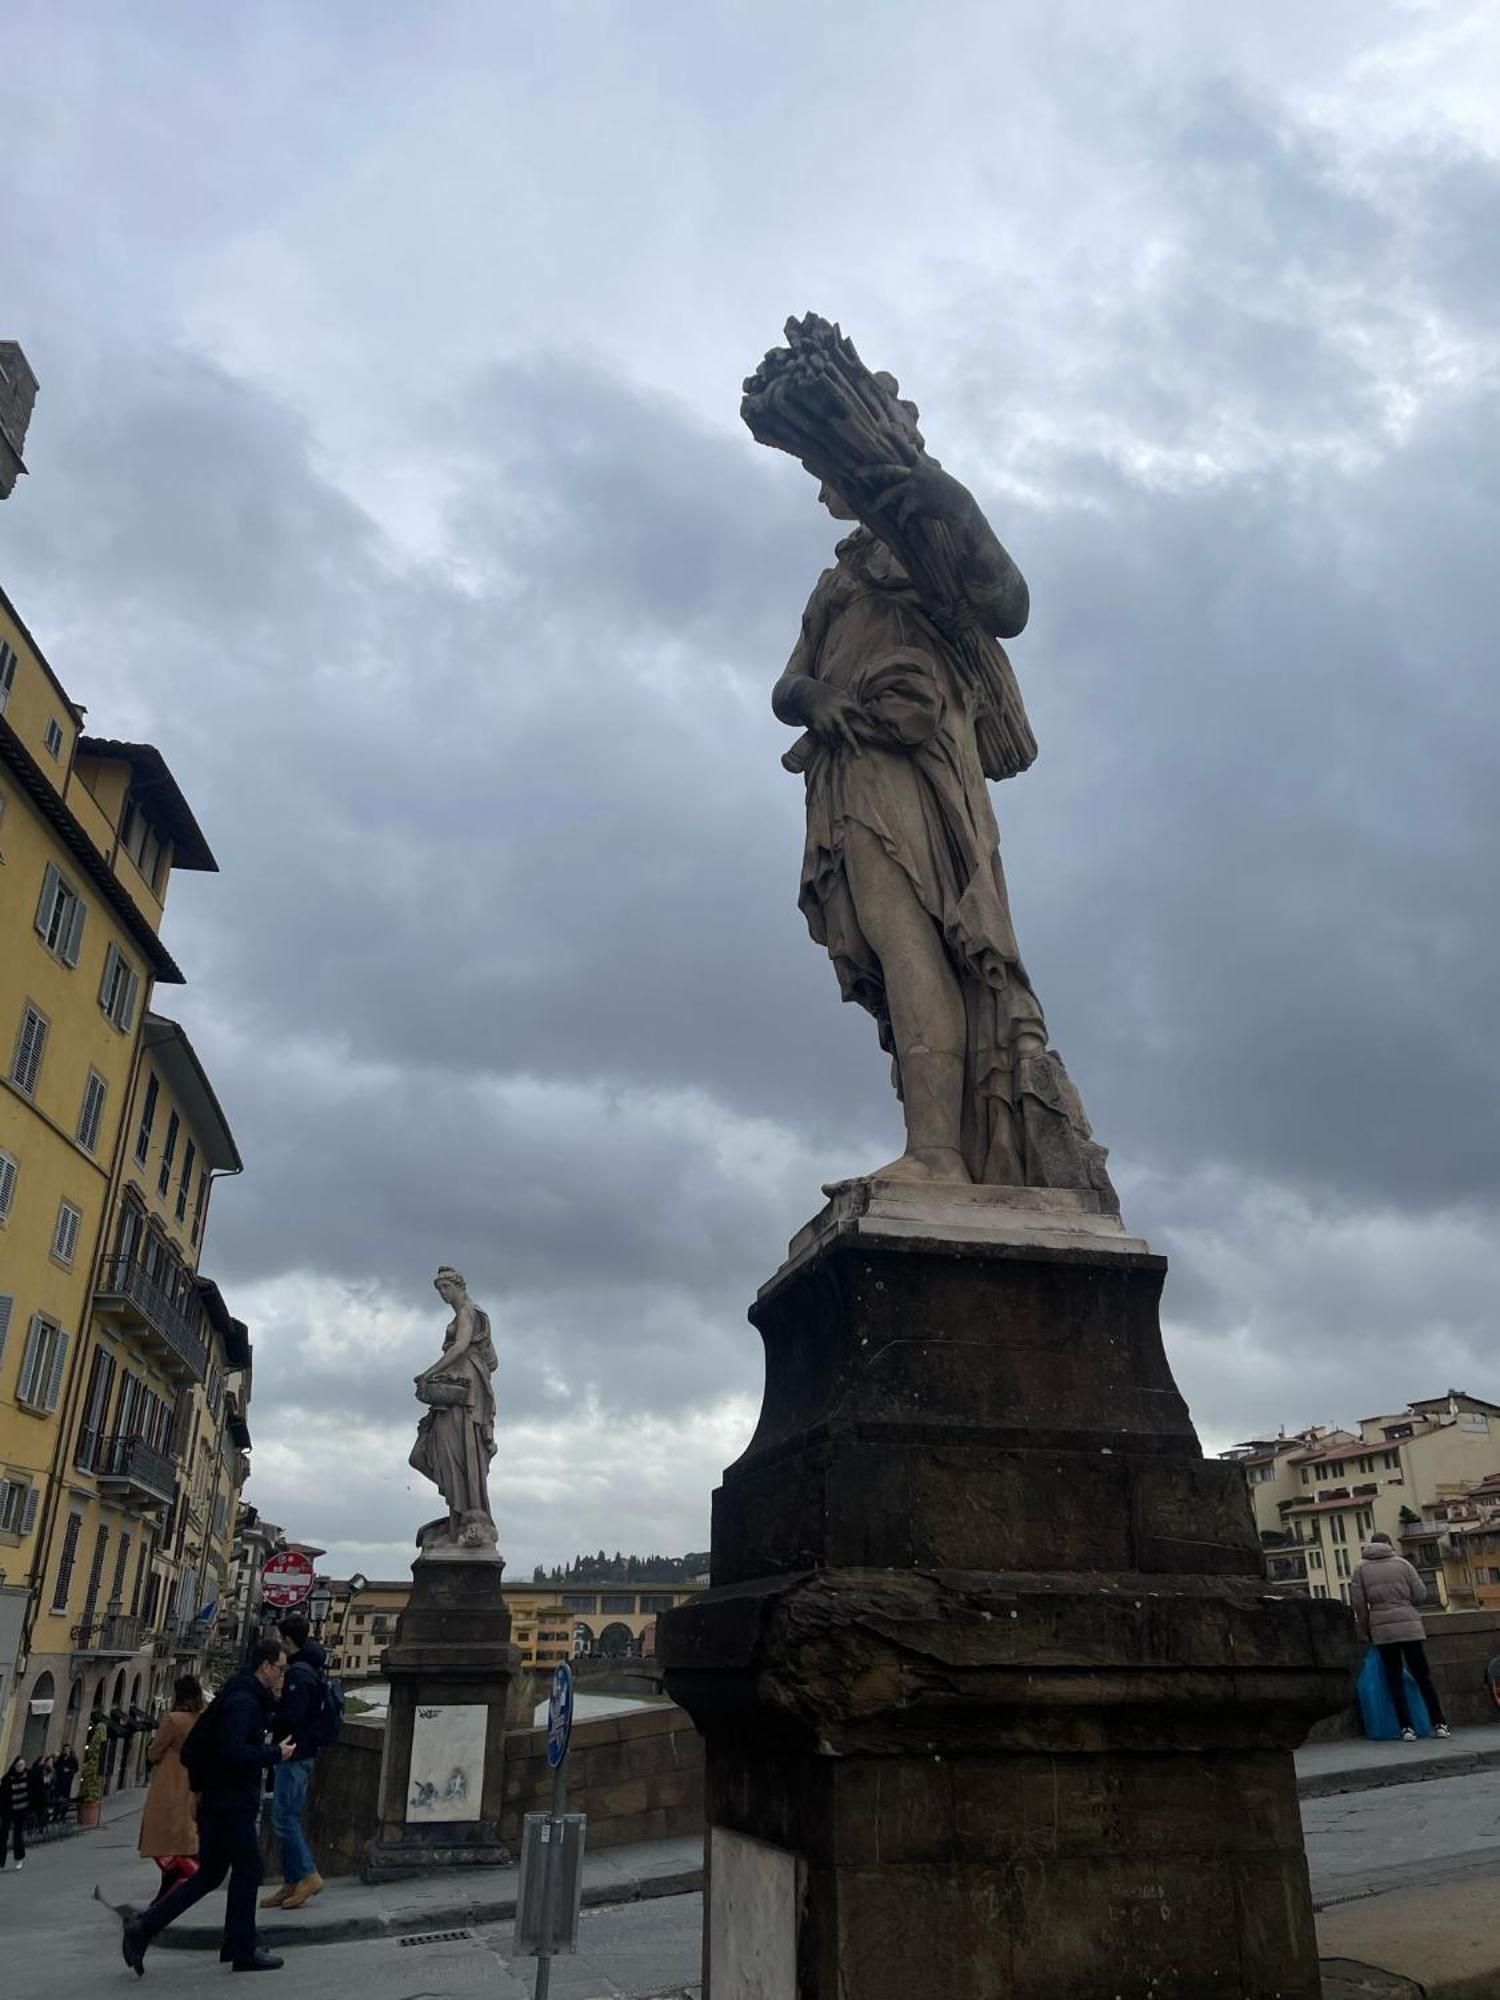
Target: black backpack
(199,1747)
(328,1719)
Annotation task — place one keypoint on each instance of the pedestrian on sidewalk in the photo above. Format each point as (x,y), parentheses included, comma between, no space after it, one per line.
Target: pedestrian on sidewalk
(62,1782)
(15,1804)
(169,1824)
(228,1753)
(43,1777)
(300,1717)
(1384,1595)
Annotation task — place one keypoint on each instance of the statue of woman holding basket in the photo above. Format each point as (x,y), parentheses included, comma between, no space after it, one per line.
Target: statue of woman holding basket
(456,1438)
(909,704)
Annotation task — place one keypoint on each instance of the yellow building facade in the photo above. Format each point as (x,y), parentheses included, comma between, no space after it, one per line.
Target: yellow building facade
(548,1622)
(123,1379)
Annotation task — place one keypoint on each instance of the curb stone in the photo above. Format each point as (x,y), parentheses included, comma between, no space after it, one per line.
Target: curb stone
(458,1915)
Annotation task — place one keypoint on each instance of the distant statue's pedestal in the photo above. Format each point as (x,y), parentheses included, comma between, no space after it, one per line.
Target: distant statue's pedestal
(995,1697)
(451,1672)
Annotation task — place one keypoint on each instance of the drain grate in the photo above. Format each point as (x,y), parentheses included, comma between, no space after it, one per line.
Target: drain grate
(436,1937)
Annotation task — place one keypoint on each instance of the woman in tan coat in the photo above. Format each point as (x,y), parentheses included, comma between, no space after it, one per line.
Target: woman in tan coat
(169,1823)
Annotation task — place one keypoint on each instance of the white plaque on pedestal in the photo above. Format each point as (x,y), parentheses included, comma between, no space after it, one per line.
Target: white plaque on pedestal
(752,1918)
(446,1780)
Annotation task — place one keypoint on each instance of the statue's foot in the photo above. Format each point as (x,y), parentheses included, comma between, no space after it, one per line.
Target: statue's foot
(925,1163)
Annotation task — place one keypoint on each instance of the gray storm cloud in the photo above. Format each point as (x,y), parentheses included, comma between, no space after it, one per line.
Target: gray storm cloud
(387,473)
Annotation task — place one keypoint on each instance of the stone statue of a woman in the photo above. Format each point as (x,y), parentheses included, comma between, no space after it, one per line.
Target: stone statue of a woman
(456,1438)
(908,704)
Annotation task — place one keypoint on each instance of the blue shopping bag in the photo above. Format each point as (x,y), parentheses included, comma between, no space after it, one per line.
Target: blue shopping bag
(1378,1711)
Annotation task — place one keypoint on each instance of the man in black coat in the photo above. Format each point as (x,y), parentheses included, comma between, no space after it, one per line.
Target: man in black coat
(228,1772)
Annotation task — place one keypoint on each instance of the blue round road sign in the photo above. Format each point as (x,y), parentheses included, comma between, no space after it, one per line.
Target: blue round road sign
(560,1716)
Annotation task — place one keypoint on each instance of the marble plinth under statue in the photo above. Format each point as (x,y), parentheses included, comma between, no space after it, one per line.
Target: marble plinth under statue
(989,1670)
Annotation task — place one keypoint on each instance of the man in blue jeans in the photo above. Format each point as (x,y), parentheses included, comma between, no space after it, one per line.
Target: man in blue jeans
(297,1718)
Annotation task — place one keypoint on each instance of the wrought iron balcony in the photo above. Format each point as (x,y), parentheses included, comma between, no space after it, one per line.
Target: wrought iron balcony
(185,1638)
(114,1636)
(130,1466)
(127,1294)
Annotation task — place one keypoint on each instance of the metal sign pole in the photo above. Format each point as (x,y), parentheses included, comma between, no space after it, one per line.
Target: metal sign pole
(549,1877)
(559,1731)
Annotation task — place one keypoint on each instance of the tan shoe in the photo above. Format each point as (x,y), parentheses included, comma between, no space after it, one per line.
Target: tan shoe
(277,1896)
(303,1892)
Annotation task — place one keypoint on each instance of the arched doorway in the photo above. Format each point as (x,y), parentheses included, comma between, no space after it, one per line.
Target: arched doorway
(583,1639)
(34,1737)
(71,1730)
(615,1641)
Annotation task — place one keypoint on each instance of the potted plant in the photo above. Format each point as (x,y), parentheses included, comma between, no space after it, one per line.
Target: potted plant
(91,1775)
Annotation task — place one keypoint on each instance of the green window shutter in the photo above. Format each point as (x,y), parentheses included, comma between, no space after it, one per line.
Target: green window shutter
(107,984)
(6,1302)
(132,992)
(28,1515)
(50,882)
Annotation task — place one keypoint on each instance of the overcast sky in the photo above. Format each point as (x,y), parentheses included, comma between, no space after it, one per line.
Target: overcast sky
(387,473)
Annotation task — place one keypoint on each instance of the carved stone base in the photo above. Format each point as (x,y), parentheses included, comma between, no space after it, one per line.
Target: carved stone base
(989,1655)
(452,1652)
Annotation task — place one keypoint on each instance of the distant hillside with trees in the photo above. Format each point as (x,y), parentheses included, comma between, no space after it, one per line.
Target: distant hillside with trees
(617,1568)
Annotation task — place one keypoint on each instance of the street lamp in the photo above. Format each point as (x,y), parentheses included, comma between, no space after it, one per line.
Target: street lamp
(319,1604)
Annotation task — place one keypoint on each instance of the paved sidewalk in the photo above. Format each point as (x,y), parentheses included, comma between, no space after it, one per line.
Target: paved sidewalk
(461,1899)
(1355,1764)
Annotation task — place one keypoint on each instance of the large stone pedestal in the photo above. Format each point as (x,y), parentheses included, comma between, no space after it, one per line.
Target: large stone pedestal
(443,1766)
(996,1700)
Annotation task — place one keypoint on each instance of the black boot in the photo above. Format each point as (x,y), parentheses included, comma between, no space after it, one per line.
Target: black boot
(259,1961)
(133,1947)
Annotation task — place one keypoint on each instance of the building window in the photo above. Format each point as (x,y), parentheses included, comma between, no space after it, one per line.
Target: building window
(65,1235)
(54,737)
(26,1063)
(7,672)
(199,1203)
(656,1603)
(119,990)
(1315,1558)
(65,1562)
(91,1117)
(148,1119)
(96,1573)
(18,1498)
(164,1178)
(6,1304)
(95,1407)
(188,1159)
(9,1172)
(618,1601)
(40,1381)
(59,917)
(142,843)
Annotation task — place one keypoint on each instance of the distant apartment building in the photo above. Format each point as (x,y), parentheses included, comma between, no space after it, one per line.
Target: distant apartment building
(1321,1493)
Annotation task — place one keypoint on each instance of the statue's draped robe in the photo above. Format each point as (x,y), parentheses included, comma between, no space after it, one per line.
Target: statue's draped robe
(456,1441)
(917,785)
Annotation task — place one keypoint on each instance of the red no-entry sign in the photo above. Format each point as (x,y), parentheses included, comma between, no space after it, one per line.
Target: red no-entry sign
(286,1579)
